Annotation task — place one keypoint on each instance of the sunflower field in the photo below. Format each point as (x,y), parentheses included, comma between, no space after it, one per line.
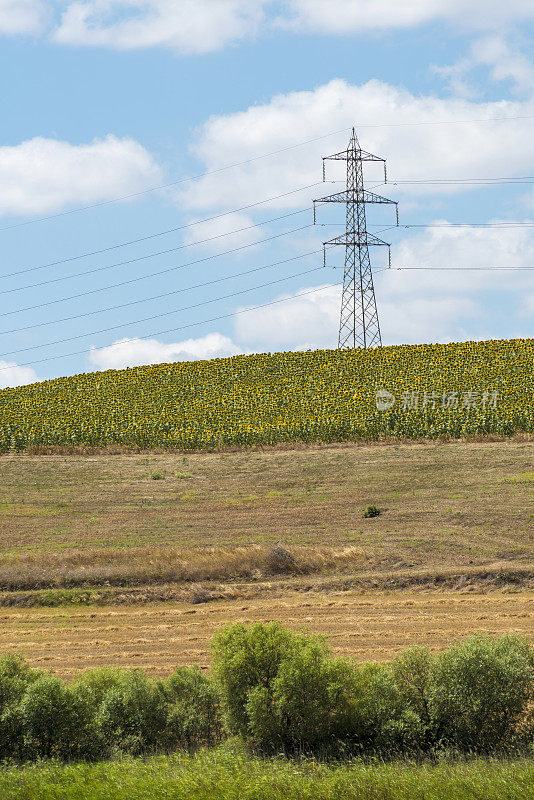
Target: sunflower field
(434,391)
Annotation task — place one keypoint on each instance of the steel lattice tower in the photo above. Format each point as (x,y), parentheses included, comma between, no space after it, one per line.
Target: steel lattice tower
(358,325)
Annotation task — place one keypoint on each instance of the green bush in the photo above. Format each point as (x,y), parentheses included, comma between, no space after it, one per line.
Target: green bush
(132,716)
(371,511)
(481,689)
(280,692)
(194,713)
(56,722)
(283,692)
(248,658)
(314,705)
(15,677)
(396,704)
(95,683)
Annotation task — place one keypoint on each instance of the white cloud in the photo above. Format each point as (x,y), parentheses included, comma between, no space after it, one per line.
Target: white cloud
(308,321)
(452,247)
(235,230)
(425,150)
(504,62)
(13,375)
(45,175)
(21,16)
(134,352)
(349,16)
(414,306)
(201,26)
(190,26)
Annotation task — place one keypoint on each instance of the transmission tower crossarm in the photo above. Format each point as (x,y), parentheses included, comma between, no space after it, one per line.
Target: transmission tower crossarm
(344,155)
(367,241)
(346,197)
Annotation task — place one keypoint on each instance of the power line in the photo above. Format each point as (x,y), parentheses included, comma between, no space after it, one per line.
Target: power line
(172,183)
(231,314)
(444,122)
(503,224)
(152,274)
(163,314)
(228,213)
(256,158)
(141,239)
(158,296)
(180,328)
(172,230)
(520,180)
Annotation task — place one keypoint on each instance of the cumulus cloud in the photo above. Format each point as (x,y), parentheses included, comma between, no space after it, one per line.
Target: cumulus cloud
(234,230)
(448,150)
(505,63)
(45,175)
(201,26)
(12,374)
(134,352)
(304,320)
(21,16)
(449,247)
(349,16)
(309,319)
(190,26)
(414,306)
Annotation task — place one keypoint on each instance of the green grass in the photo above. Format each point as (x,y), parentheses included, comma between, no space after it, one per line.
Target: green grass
(228,775)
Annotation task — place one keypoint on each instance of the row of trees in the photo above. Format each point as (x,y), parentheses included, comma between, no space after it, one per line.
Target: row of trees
(281,692)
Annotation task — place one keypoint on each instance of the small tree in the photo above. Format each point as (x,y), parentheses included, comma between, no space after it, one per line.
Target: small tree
(15,677)
(55,721)
(480,692)
(133,714)
(194,710)
(283,692)
(245,659)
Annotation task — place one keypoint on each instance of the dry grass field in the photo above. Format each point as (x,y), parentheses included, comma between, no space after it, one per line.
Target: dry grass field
(159,636)
(107,538)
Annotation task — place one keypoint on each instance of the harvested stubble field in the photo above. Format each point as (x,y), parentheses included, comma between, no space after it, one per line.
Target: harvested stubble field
(104,541)
(160,636)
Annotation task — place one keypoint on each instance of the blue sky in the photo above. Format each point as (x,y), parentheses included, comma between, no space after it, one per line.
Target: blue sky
(105,99)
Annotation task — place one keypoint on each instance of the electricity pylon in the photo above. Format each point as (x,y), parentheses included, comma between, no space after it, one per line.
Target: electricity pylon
(358,325)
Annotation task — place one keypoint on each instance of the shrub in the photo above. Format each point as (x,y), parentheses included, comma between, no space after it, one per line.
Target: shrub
(56,722)
(95,683)
(313,705)
(396,703)
(15,677)
(371,511)
(481,689)
(194,714)
(132,717)
(157,476)
(282,692)
(245,659)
